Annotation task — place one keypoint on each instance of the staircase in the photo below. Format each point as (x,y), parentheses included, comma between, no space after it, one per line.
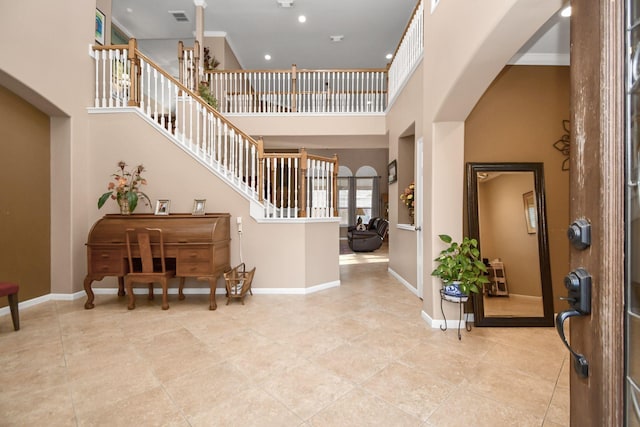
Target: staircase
(283,185)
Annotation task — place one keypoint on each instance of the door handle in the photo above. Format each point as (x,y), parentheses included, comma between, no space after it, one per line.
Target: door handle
(580,363)
(578,284)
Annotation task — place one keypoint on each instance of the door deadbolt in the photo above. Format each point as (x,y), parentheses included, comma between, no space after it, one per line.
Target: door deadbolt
(579,234)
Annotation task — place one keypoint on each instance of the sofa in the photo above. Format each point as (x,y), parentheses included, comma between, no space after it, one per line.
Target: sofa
(370,239)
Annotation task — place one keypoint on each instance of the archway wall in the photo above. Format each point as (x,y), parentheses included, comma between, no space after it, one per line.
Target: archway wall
(466,46)
(57,78)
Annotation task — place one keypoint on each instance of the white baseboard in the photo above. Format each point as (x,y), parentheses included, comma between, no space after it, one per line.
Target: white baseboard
(172,291)
(450,324)
(401,279)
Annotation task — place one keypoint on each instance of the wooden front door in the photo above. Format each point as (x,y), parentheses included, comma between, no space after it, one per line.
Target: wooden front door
(598,196)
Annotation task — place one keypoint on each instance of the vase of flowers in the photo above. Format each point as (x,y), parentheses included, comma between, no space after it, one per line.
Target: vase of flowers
(125,189)
(408,197)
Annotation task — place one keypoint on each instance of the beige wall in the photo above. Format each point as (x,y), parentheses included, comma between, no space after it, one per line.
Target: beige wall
(493,32)
(517,120)
(63,92)
(404,123)
(503,231)
(230,60)
(274,249)
(302,125)
(25,197)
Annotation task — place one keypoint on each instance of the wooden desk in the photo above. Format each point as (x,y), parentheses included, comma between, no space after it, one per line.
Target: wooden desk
(197,245)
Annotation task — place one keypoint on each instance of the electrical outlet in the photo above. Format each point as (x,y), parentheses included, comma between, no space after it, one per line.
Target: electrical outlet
(239,222)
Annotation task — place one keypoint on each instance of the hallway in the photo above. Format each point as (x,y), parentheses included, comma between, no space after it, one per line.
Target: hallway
(357,355)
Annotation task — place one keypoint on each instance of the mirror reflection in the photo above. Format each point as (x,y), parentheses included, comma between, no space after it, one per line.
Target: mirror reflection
(506,215)
(508,247)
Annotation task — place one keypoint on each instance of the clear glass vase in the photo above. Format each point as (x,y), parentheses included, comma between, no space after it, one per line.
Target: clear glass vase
(123,202)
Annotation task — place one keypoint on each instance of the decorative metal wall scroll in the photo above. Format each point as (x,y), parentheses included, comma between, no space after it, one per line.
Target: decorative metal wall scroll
(562,145)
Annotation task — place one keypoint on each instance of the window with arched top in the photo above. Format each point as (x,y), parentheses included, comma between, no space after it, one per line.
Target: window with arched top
(358,196)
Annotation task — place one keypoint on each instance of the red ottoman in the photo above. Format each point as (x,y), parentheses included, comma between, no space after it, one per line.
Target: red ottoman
(11,290)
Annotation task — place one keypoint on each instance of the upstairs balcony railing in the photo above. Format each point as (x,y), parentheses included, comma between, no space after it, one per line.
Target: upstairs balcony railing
(363,91)
(408,53)
(287,185)
(298,91)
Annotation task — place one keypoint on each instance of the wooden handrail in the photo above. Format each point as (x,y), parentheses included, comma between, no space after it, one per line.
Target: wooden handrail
(196,96)
(301,70)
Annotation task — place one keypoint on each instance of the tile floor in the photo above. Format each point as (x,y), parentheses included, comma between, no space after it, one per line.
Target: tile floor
(358,355)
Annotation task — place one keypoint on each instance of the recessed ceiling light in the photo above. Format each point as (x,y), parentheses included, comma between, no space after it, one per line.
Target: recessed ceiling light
(129,10)
(302,18)
(389,55)
(566,12)
(336,38)
(267,57)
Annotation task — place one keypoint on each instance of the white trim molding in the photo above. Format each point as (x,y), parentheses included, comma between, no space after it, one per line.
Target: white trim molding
(402,280)
(172,291)
(540,59)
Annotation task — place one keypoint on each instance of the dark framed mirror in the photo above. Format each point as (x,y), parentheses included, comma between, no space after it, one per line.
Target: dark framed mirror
(507,215)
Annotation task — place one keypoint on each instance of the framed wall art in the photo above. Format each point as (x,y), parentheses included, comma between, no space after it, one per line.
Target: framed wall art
(393,172)
(100,24)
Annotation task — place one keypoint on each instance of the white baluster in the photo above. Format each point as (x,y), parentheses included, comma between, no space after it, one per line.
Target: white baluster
(281,187)
(148,90)
(289,182)
(195,143)
(295,187)
(268,175)
(96,61)
(253,181)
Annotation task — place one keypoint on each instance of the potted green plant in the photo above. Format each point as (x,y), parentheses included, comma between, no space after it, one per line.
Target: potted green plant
(460,267)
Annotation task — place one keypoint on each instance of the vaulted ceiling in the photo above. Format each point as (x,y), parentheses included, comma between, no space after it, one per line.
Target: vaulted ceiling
(370,28)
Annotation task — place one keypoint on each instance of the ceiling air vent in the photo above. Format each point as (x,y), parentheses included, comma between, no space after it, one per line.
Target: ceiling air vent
(179,15)
(285,3)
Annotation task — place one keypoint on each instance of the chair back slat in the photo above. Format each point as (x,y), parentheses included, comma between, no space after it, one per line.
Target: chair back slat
(143,242)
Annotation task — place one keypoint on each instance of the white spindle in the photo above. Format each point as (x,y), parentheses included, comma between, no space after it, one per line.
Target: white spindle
(295,186)
(282,185)
(268,185)
(253,176)
(289,182)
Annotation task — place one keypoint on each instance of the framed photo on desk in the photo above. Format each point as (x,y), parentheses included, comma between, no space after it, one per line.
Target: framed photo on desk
(162,207)
(198,206)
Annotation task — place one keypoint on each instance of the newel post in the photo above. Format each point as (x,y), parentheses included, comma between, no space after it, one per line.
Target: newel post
(303,183)
(294,88)
(181,62)
(334,192)
(134,89)
(260,169)
(196,66)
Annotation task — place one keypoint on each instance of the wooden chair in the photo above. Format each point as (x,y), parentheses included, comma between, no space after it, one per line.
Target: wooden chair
(11,290)
(147,271)
(238,282)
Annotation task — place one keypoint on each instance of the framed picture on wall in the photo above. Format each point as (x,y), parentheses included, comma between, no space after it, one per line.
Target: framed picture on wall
(100,23)
(530,212)
(393,172)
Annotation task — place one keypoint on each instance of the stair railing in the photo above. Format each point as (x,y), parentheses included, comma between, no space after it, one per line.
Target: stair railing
(126,77)
(408,53)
